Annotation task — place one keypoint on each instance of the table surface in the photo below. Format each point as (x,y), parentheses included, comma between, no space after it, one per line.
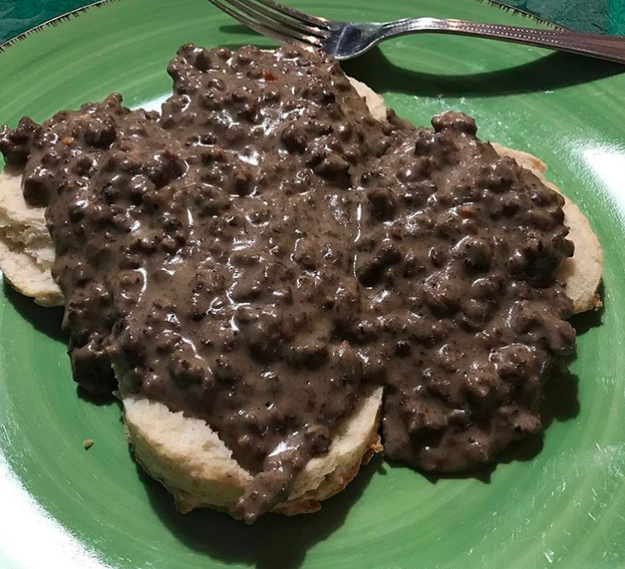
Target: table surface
(601,16)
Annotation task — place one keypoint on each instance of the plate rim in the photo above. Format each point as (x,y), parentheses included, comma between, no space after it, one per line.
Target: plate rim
(77,13)
(499,4)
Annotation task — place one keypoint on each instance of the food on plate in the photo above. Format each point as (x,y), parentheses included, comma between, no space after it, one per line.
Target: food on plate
(276,266)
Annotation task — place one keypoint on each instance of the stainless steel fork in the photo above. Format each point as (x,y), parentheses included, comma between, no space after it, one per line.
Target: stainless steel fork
(345,40)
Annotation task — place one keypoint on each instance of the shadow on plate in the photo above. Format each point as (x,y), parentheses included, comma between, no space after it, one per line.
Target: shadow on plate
(274,541)
(43,319)
(99,400)
(589,320)
(549,73)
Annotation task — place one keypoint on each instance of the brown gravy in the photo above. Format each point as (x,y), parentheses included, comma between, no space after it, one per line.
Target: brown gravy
(265,249)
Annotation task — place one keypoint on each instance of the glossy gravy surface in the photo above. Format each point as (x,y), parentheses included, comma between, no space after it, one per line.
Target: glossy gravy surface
(265,250)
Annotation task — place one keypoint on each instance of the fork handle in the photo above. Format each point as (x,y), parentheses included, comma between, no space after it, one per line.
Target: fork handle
(611,48)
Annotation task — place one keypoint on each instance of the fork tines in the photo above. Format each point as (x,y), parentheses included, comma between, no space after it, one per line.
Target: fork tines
(277,21)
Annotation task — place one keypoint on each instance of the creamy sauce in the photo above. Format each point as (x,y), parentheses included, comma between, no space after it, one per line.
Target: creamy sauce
(265,248)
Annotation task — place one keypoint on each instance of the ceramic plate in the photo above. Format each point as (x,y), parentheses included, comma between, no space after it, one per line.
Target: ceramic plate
(555,501)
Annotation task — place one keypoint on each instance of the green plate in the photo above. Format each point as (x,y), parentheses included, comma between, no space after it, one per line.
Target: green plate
(557,501)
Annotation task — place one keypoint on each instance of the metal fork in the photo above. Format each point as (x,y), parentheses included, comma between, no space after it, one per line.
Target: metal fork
(345,40)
